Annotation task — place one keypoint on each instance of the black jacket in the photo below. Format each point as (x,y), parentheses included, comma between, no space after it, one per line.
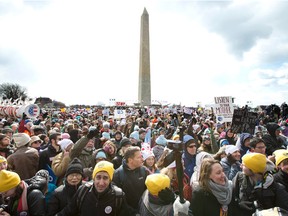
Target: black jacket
(282,178)
(46,156)
(133,185)
(204,203)
(61,197)
(244,196)
(95,203)
(35,201)
(271,141)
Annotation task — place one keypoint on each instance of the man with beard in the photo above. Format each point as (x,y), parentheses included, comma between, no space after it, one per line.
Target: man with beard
(83,149)
(5,149)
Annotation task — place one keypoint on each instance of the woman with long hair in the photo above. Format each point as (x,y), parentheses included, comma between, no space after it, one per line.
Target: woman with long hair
(214,190)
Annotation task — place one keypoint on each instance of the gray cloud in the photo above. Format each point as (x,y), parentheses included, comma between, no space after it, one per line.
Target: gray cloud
(242,26)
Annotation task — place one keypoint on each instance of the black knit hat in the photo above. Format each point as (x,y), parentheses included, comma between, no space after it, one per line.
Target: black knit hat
(125,141)
(75,166)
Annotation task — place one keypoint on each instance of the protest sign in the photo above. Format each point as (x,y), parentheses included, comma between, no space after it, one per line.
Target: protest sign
(243,121)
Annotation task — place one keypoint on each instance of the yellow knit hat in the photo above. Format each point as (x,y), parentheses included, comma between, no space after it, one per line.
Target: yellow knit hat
(2,159)
(105,166)
(255,162)
(280,155)
(8,180)
(157,182)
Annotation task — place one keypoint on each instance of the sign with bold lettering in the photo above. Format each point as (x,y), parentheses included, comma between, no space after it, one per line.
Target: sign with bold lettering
(243,121)
(224,107)
(119,114)
(118,103)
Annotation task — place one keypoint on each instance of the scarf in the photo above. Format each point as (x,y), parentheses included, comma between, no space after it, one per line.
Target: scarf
(266,183)
(223,193)
(22,204)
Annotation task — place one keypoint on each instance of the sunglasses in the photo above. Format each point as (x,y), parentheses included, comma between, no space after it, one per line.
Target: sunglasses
(192,146)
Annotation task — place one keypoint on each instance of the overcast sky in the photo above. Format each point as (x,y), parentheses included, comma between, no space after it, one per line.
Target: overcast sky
(83,52)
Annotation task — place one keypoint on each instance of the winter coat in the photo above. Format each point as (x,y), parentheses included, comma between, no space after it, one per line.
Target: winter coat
(204,203)
(133,184)
(78,150)
(229,169)
(282,178)
(241,141)
(60,165)
(244,196)
(35,202)
(95,203)
(117,160)
(61,197)
(153,206)
(189,163)
(47,156)
(271,141)
(24,162)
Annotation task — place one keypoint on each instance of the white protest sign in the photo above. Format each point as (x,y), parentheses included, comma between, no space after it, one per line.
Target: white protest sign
(119,114)
(223,108)
(188,110)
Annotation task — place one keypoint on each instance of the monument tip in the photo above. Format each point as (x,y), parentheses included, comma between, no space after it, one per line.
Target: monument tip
(145,11)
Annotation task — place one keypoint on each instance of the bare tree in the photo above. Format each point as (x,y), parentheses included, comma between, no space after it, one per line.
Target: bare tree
(12,91)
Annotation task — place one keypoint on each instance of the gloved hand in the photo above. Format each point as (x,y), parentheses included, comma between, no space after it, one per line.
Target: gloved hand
(24,116)
(92,132)
(247,205)
(179,207)
(167,196)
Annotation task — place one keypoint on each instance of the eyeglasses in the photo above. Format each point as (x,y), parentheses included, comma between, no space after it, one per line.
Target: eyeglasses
(72,175)
(192,146)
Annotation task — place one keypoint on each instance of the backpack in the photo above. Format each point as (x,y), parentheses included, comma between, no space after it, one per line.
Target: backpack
(88,185)
(37,182)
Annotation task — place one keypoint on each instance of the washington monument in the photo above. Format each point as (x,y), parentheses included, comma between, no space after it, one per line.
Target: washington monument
(144,87)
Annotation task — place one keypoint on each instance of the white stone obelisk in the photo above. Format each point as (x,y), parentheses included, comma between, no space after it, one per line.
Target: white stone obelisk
(144,87)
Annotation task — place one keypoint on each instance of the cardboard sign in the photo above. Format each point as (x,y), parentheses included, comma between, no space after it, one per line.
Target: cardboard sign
(244,121)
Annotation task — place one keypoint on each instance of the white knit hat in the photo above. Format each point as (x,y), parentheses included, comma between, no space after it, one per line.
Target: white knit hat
(147,153)
(230,149)
(65,143)
(21,139)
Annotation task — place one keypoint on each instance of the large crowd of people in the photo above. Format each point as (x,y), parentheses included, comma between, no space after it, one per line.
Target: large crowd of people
(87,161)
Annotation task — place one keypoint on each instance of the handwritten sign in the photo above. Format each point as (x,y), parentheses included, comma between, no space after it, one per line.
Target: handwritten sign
(224,107)
(243,121)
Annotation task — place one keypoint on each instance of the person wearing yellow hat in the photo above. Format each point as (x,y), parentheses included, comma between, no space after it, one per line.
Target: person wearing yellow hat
(256,185)
(22,200)
(281,162)
(158,199)
(99,196)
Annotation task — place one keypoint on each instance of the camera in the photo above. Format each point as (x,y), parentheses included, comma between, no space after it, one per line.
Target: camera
(175,145)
